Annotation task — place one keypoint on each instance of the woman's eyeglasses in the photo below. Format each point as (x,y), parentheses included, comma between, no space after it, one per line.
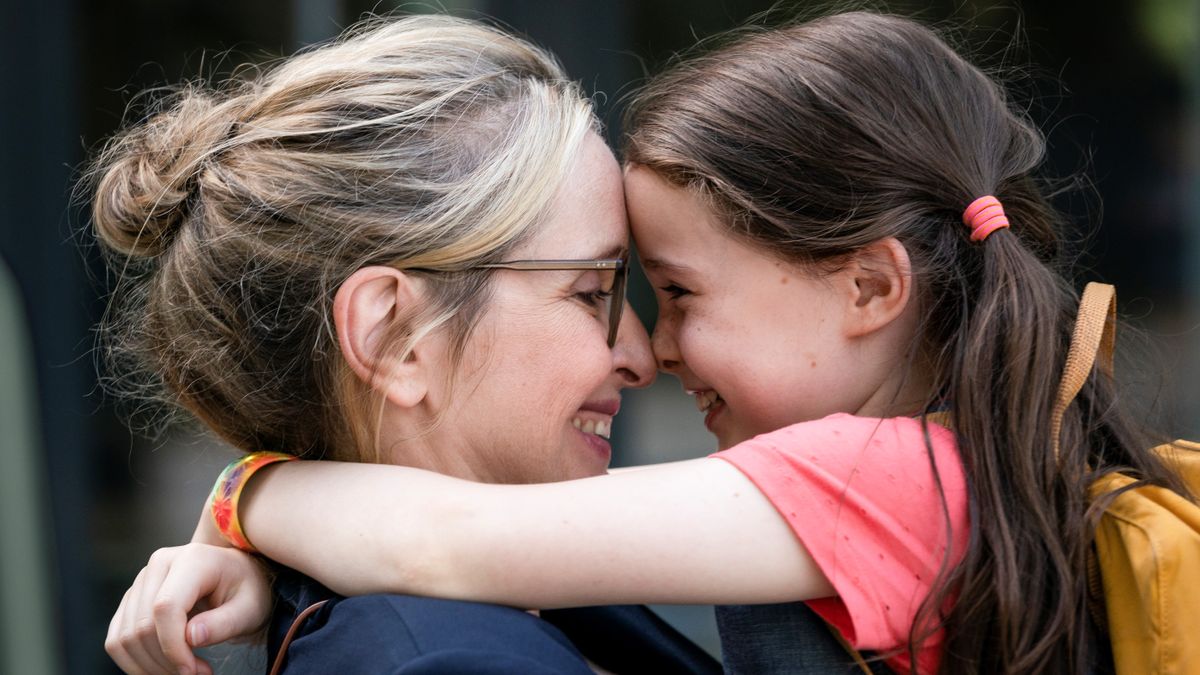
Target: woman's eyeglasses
(617,267)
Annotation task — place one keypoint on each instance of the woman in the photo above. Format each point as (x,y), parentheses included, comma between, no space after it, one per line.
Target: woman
(406,246)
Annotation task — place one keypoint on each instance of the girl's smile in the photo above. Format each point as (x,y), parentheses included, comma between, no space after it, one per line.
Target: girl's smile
(740,329)
(761,343)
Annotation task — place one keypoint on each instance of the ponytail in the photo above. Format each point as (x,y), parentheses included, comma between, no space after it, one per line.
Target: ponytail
(816,140)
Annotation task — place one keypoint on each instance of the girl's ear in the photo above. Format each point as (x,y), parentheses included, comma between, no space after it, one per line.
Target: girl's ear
(878,280)
(366,309)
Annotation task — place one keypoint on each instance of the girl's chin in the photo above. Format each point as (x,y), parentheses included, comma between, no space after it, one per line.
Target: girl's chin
(721,424)
(728,437)
(725,441)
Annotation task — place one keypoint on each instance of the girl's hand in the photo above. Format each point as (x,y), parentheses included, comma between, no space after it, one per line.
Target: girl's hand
(228,592)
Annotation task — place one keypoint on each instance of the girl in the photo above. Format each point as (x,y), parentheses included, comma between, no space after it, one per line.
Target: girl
(846,235)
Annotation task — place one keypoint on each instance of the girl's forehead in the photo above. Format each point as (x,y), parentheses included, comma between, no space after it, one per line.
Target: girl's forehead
(673,225)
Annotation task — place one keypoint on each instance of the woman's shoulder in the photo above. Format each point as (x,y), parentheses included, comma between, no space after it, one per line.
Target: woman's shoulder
(411,634)
(404,633)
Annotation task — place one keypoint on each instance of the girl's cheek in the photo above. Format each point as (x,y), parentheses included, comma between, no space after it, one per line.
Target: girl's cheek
(694,347)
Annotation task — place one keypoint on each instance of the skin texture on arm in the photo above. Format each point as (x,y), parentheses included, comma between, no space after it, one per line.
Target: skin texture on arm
(694,532)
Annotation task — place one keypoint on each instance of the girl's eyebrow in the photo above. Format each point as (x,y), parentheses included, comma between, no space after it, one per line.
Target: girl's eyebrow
(658,264)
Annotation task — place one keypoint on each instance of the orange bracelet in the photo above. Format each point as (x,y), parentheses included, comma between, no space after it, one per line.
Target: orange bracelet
(227,492)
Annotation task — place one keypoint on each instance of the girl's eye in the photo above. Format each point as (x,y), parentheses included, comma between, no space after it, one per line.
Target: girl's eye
(675,291)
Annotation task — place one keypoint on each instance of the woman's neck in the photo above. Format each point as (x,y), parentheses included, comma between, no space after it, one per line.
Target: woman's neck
(432,448)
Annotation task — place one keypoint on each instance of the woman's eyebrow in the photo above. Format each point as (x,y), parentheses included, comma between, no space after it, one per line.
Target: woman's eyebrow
(618,251)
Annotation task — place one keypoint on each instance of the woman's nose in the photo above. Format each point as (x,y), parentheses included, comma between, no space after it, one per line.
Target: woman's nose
(632,357)
(666,350)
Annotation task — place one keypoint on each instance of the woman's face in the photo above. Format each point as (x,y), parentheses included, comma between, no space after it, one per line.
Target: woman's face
(534,398)
(757,342)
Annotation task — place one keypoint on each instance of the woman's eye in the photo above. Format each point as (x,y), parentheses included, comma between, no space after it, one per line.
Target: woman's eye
(596,298)
(675,291)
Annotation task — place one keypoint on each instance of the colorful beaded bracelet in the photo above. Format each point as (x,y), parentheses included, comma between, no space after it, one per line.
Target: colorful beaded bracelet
(227,492)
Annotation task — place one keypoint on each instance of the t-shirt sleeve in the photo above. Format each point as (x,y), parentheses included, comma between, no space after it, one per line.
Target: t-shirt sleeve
(861,495)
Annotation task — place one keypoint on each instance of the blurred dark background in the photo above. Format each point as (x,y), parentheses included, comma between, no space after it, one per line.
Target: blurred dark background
(83,502)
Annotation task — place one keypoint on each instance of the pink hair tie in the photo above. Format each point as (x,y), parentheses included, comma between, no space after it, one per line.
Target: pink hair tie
(984,216)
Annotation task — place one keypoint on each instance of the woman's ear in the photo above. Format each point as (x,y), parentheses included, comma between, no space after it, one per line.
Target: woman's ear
(878,279)
(366,309)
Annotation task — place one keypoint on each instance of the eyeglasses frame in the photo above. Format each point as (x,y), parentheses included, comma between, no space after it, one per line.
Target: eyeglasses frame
(620,280)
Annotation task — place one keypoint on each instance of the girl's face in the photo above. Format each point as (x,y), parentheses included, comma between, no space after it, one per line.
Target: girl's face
(758,342)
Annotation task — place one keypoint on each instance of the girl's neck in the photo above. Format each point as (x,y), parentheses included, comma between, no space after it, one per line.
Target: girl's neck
(904,393)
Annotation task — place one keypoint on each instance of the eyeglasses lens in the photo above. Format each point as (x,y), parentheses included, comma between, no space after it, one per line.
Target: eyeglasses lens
(616,302)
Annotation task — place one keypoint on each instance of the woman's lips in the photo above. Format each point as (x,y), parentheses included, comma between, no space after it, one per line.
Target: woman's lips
(595,417)
(600,446)
(599,427)
(607,407)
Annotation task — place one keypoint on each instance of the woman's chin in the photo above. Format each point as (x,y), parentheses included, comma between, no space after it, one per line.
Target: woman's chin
(599,447)
(597,451)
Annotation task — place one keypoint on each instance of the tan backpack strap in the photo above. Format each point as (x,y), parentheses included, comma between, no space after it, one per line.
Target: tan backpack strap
(281,655)
(1095,333)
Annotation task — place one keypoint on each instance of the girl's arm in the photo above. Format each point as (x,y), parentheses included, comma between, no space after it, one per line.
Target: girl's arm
(686,532)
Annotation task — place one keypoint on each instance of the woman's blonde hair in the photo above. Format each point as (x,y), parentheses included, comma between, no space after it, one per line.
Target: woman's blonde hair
(233,213)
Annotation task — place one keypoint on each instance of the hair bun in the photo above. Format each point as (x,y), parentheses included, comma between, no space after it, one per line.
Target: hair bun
(145,177)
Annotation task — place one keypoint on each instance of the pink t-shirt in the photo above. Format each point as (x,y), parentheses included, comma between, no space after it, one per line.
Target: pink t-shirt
(860,494)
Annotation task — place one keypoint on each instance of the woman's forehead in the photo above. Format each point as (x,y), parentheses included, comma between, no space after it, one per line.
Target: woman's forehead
(588,218)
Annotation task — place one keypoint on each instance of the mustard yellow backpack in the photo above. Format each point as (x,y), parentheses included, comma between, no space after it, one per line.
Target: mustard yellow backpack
(1147,563)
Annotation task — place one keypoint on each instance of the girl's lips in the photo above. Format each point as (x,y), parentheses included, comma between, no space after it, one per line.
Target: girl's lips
(714,410)
(705,398)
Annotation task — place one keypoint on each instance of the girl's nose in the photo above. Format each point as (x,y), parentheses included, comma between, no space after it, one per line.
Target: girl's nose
(666,351)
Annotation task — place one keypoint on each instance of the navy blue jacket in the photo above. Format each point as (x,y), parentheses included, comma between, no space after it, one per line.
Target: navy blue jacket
(409,635)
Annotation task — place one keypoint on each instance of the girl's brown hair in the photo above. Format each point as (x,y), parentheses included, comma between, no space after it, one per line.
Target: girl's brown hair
(817,139)
(233,213)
